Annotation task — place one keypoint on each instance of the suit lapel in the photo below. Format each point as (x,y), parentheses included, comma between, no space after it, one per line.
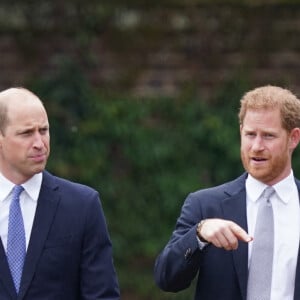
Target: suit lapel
(46,208)
(234,208)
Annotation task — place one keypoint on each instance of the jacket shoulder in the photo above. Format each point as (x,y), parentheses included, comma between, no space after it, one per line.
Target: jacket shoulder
(228,188)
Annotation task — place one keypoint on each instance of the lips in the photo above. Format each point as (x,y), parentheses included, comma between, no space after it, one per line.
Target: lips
(39,157)
(258,159)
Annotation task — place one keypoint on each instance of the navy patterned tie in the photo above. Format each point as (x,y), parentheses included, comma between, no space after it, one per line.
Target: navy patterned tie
(16,242)
(260,270)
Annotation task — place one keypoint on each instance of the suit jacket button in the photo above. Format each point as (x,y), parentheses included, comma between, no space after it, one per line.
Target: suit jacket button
(188,253)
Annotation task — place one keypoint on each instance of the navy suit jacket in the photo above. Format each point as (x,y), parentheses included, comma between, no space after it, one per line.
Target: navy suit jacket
(69,256)
(222,275)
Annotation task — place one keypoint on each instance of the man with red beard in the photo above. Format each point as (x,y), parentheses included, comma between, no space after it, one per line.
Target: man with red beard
(215,234)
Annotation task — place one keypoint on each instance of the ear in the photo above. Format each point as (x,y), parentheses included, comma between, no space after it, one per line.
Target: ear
(294,138)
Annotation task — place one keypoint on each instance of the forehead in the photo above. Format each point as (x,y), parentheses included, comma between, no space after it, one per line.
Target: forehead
(24,110)
(262,119)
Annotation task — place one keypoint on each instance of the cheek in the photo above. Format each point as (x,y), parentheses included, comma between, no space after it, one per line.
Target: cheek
(14,149)
(46,141)
(245,145)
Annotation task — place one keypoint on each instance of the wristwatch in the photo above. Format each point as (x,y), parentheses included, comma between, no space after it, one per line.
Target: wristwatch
(199,227)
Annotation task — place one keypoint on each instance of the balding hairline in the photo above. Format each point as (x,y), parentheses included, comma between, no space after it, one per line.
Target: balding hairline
(14,91)
(5,97)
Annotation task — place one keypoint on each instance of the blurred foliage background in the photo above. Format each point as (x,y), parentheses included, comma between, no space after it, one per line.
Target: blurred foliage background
(143,98)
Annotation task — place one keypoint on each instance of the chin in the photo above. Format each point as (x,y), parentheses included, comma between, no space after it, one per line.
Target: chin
(38,169)
(258,174)
(265,178)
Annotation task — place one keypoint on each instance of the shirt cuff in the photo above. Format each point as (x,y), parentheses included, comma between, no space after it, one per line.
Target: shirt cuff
(201,244)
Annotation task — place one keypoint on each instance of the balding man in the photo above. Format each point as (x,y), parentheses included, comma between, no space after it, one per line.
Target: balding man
(67,252)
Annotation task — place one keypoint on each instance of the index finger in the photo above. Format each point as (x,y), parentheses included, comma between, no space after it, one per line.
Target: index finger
(240,233)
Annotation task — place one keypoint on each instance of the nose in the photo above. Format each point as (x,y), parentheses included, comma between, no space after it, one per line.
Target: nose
(38,141)
(258,144)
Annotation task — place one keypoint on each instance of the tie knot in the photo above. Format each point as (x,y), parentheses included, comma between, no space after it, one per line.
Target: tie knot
(17,190)
(268,192)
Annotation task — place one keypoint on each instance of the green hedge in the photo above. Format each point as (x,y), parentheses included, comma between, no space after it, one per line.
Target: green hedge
(144,156)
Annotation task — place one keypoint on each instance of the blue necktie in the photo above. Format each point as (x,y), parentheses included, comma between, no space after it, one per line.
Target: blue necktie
(16,242)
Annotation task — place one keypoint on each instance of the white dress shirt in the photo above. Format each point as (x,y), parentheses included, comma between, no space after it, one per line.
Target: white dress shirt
(28,203)
(286,212)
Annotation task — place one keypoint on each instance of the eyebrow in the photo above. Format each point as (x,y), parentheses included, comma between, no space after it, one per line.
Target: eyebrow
(30,128)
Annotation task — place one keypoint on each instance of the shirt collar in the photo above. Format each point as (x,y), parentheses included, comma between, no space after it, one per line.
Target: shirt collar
(31,186)
(284,188)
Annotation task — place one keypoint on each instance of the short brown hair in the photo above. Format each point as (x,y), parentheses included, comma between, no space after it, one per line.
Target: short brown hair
(3,116)
(269,96)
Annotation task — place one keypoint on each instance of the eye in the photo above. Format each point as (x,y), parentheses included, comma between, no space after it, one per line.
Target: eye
(269,136)
(44,130)
(26,132)
(250,134)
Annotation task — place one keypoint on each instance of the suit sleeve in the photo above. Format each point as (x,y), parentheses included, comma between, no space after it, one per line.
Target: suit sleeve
(178,263)
(98,276)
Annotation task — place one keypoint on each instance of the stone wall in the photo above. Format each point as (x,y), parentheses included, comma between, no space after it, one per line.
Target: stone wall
(150,51)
